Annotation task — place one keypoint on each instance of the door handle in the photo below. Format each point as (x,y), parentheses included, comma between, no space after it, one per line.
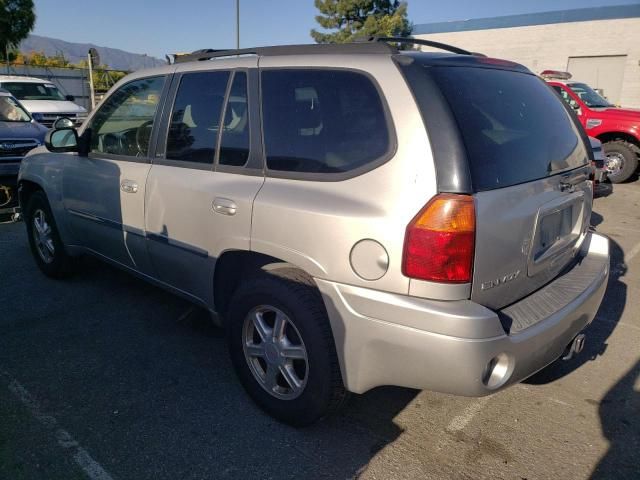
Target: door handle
(129,186)
(224,206)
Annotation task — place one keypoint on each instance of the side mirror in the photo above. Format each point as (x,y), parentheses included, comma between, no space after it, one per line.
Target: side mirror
(63,122)
(70,98)
(61,140)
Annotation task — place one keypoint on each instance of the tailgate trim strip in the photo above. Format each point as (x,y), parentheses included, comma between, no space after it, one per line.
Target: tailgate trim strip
(541,304)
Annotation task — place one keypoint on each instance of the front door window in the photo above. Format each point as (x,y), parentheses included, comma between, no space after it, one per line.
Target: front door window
(124,122)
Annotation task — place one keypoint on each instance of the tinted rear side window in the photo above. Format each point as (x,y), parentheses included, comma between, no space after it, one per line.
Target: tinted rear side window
(234,145)
(322,121)
(514,128)
(195,119)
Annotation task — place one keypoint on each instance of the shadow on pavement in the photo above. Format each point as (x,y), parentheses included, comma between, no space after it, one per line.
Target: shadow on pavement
(619,410)
(596,219)
(603,189)
(144,381)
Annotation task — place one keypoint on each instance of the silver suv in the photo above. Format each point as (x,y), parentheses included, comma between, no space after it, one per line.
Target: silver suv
(354,215)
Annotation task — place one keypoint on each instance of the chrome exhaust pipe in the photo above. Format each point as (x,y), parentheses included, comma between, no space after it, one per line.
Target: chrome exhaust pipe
(575,347)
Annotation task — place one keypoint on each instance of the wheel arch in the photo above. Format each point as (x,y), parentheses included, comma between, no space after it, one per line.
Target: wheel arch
(617,136)
(26,188)
(235,265)
(28,185)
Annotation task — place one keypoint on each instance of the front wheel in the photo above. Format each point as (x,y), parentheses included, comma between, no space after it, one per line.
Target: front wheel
(282,347)
(45,243)
(621,160)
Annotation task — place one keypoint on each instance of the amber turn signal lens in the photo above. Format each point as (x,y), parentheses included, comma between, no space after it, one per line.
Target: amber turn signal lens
(440,240)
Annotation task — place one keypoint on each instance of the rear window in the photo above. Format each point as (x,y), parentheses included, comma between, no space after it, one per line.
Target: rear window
(514,128)
(322,121)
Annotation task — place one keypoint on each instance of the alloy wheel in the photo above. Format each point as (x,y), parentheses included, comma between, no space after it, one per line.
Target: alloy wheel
(43,236)
(275,352)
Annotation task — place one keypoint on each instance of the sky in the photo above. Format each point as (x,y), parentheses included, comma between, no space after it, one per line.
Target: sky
(157,27)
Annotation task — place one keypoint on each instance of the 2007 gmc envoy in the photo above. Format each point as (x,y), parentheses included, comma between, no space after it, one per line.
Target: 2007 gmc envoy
(355,215)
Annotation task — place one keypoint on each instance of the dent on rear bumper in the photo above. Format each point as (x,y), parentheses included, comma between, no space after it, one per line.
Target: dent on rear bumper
(389,339)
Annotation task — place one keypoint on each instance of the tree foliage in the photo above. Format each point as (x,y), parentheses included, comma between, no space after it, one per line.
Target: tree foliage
(349,20)
(17,18)
(39,59)
(103,77)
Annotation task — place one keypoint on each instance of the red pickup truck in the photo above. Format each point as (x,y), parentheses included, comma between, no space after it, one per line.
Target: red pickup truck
(617,128)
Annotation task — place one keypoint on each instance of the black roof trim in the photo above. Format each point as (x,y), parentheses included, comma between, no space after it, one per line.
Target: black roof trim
(442,60)
(449,152)
(322,48)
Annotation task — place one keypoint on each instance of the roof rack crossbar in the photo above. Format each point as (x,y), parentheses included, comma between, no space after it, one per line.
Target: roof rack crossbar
(323,48)
(426,43)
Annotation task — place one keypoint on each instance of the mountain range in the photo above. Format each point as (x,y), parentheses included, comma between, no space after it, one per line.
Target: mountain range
(74,52)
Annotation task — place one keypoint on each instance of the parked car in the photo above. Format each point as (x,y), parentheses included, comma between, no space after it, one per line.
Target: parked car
(43,99)
(617,128)
(599,161)
(18,134)
(354,215)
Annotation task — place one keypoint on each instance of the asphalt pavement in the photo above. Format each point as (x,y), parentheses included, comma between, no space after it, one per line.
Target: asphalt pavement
(103,376)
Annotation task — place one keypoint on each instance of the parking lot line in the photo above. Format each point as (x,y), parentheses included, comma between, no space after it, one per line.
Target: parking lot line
(461,421)
(634,251)
(92,468)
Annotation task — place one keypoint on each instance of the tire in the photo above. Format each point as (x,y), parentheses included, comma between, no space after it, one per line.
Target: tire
(621,162)
(46,246)
(289,294)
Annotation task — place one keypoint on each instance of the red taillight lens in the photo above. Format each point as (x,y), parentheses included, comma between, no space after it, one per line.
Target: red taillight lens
(439,241)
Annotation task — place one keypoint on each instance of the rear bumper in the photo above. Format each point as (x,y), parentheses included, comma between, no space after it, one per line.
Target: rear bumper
(460,347)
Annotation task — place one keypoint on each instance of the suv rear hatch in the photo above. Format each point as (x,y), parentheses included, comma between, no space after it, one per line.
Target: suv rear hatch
(526,163)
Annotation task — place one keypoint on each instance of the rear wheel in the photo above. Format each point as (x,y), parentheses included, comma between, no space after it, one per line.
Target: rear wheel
(282,347)
(621,162)
(46,246)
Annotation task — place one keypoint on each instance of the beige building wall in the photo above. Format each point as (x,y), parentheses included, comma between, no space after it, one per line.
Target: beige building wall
(542,47)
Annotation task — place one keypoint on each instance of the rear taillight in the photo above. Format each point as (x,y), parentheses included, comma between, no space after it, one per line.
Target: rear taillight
(439,241)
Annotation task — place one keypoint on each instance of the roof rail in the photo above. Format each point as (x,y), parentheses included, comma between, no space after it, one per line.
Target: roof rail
(321,48)
(426,43)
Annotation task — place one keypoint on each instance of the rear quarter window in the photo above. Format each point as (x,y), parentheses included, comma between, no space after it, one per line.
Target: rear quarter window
(322,121)
(514,127)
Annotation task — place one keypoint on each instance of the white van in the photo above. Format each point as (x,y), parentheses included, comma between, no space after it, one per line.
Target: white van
(43,99)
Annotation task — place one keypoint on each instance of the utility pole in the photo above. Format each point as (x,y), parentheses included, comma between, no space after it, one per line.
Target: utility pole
(238,24)
(94,59)
(93,95)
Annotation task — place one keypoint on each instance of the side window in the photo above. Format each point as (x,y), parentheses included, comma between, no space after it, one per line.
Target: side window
(322,121)
(195,118)
(124,122)
(234,145)
(565,96)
